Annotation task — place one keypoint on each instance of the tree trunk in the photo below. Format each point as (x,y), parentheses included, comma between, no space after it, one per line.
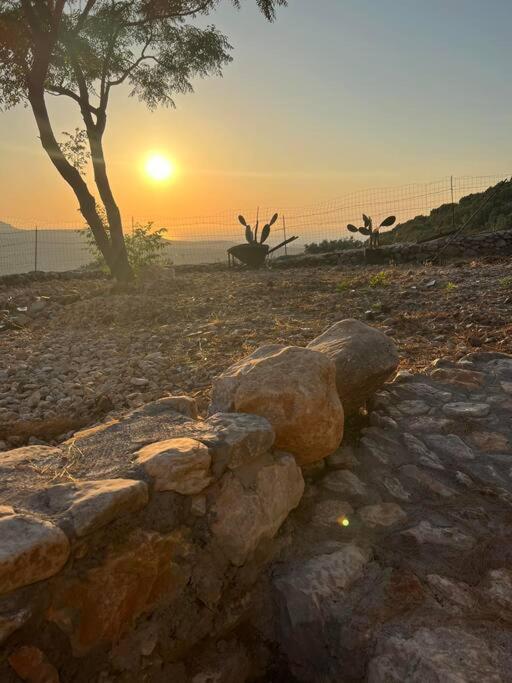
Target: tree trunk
(123,269)
(70,174)
(113,249)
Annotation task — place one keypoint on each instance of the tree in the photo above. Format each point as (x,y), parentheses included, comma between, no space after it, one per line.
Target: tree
(81,50)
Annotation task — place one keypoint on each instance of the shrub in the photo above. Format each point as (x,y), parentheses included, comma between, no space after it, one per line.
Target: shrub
(144,246)
(379,280)
(332,245)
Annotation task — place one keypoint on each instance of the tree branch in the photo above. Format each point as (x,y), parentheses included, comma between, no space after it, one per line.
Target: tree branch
(59,90)
(173,15)
(133,66)
(85,13)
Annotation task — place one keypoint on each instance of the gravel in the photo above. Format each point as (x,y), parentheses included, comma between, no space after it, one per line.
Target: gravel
(86,348)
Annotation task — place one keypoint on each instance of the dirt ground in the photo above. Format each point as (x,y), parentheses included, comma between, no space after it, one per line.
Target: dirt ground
(107,350)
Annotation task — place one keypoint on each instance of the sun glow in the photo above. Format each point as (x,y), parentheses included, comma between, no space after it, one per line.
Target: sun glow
(159,168)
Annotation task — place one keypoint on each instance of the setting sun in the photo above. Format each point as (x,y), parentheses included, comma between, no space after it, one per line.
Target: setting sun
(159,168)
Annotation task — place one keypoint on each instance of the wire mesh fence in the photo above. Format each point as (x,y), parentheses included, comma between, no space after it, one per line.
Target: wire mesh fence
(46,245)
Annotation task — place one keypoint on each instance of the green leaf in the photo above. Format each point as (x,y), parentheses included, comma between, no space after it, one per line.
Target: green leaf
(388,221)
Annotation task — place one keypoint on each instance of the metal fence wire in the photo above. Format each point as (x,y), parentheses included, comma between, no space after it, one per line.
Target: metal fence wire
(48,245)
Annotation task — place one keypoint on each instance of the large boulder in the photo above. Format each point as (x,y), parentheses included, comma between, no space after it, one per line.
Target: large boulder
(295,389)
(365,358)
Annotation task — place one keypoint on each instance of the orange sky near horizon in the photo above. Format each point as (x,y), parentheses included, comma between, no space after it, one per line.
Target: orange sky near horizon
(315,106)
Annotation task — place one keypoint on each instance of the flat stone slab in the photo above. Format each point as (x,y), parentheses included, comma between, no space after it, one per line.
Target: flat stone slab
(321,578)
(428,481)
(496,590)
(467,409)
(414,407)
(452,537)
(345,482)
(449,445)
(439,654)
(455,596)
(180,465)
(108,450)
(28,469)
(92,504)
(30,550)
(243,438)
(343,458)
(492,442)
(105,452)
(382,515)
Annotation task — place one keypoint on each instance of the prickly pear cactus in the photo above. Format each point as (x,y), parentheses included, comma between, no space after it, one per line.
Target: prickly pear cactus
(252,238)
(369,231)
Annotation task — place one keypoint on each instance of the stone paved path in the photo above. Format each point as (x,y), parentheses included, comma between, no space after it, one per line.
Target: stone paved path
(399,566)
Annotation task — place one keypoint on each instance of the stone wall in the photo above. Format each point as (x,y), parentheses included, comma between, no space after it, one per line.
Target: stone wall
(162,547)
(134,542)
(463,246)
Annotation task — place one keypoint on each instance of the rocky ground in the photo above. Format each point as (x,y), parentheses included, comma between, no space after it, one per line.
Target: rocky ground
(393,563)
(76,349)
(398,563)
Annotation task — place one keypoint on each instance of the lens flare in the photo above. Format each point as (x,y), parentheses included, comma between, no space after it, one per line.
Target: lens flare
(343,521)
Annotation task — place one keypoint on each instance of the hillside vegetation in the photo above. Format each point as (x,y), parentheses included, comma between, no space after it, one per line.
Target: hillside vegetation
(496,214)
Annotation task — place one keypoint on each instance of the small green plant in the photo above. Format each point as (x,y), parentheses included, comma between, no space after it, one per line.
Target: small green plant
(370,231)
(506,282)
(450,286)
(75,149)
(343,286)
(379,280)
(144,247)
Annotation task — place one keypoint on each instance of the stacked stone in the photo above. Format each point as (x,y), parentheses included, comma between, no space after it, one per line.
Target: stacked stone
(136,550)
(128,540)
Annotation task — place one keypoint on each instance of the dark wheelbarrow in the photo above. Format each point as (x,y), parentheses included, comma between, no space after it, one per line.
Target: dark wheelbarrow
(254,255)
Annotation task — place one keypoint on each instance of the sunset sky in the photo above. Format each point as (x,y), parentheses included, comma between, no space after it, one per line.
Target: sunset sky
(335,96)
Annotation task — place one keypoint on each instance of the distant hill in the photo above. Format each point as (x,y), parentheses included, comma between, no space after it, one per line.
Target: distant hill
(495,215)
(61,250)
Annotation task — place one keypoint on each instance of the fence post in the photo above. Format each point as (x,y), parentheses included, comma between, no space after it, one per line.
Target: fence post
(35,250)
(453,203)
(284,236)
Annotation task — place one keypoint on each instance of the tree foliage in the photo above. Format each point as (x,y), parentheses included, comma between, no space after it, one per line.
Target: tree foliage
(81,50)
(332,245)
(486,211)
